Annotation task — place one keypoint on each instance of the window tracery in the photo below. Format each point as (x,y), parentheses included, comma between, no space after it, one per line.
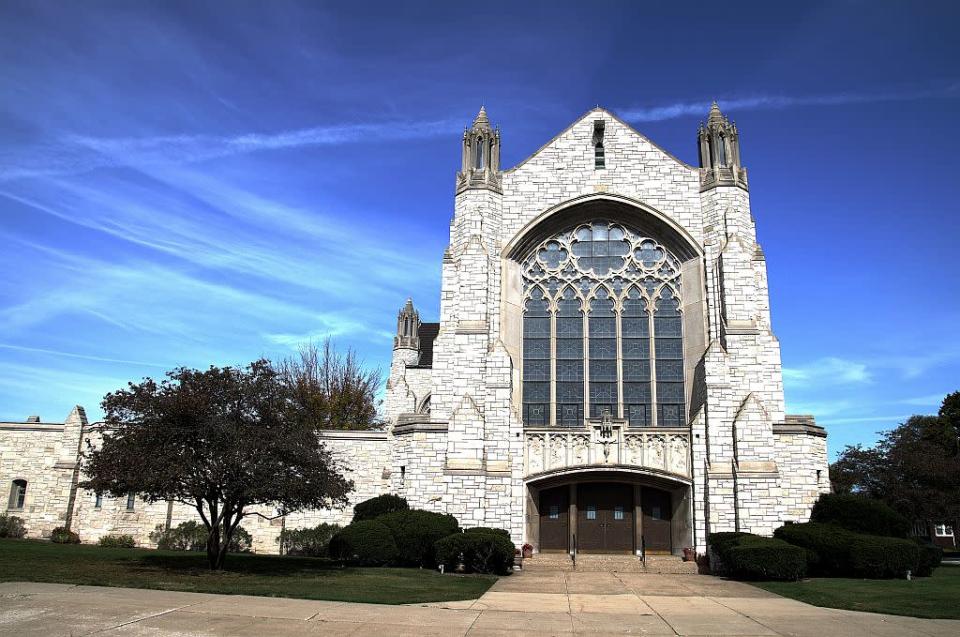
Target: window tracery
(602,329)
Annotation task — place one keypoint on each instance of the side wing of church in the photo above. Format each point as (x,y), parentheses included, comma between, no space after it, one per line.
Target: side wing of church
(603,375)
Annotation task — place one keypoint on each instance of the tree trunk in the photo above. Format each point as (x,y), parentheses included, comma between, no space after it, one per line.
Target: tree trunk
(214,555)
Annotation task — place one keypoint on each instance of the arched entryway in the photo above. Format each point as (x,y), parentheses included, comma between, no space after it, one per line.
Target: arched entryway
(607,512)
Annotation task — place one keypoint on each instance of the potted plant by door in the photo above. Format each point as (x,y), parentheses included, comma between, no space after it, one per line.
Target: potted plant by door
(527,551)
(689,554)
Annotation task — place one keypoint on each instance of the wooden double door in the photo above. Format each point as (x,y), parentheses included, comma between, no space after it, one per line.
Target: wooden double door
(605,521)
(603,518)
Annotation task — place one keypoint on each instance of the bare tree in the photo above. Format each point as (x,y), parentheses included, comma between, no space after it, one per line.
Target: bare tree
(333,387)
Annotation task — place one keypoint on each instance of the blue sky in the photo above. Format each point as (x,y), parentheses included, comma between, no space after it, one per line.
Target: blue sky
(188,183)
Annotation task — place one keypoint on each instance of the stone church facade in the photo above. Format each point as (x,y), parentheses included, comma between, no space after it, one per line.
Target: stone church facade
(603,375)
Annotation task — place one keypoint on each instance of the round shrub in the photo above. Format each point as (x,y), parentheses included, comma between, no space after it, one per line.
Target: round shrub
(876,557)
(366,542)
(192,536)
(828,546)
(486,529)
(117,541)
(416,532)
(62,535)
(12,526)
(479,552)
(310,542)
(719,544)
(380,505)
(930,558)
(763,558)
(860,515)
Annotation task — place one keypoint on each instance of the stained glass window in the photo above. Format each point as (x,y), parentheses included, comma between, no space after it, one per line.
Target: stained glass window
(602,311)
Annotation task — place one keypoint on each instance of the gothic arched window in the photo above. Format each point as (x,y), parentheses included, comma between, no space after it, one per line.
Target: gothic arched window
(479,153)
(602,329)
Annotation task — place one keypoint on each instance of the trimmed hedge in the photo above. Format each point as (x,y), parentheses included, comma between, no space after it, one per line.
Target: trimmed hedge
(309,542)
(837,552)
(486,529)
(860,515)
(764,558)
(117,541)
(12,526)
(748,556)
(380,505)
(416,532)
(367,542)
(482,552)
(61,535)
(930,558)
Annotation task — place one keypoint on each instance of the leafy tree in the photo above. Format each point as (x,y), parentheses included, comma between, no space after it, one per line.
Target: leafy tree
(333,387)
(915,468)
(229,442)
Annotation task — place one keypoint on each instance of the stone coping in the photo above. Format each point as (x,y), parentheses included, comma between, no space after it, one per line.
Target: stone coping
(347,434)
(31,426)
(799,429)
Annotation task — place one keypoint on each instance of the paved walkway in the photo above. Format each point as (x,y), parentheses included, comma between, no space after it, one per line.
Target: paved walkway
(524,604)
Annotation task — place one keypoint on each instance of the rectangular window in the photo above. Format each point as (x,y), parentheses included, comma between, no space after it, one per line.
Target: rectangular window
(943,530)
(18,494)
(131,500)
(97,500)
(591,512)
(554,511)
(618,513)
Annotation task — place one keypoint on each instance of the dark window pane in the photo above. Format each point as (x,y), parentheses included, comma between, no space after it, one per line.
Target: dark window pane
(603,370)
(603,348)
(669,348)
(569,370)
(536,370)
(636,370)
(603,393)
(669,392)
(669,369)
(536,348)
(635,327)
(570,414)
(536,392)
(536,327)
(569,392)
(636,392)
(598,410)
(670,415)
(536,414)
(667,326)
(603,327)
(570,348)
(569,327)
(638,415)
(636,348)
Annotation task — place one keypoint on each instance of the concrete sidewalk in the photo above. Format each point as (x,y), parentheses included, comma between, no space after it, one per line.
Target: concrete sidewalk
(530,604)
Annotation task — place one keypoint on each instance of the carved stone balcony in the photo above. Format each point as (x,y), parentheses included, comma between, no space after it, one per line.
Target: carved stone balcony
(663,450)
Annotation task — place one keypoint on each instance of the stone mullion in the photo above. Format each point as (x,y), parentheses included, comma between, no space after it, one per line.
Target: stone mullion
(651,309)
(586,361)
(619,329)
(553,367)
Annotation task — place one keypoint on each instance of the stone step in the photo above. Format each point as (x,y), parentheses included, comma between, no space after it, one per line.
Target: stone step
(600,563)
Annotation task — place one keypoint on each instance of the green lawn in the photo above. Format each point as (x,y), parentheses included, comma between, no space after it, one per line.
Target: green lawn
(35,561)
(936,597)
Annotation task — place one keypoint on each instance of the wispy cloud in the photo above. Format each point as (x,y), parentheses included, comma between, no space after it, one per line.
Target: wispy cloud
(826,371)
(86,357)
(699,108)
(74,153)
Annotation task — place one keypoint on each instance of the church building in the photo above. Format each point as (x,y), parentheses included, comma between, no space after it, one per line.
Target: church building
(603,377)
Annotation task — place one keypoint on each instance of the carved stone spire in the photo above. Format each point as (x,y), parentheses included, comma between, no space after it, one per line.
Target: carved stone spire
(719,144)
(408,328)
(481,156)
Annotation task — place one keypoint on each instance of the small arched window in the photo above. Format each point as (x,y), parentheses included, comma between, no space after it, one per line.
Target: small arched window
(479,154)
(131,500)
(599,156)
(721,150)
(97,500)
(18,494)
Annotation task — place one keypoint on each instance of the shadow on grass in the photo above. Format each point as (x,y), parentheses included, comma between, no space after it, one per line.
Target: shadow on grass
(244,564)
